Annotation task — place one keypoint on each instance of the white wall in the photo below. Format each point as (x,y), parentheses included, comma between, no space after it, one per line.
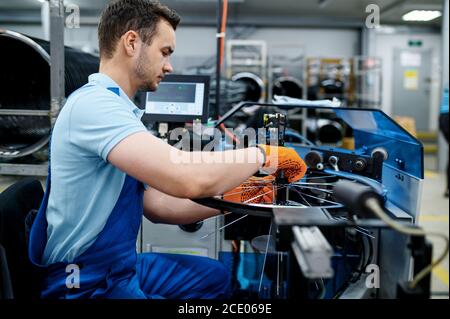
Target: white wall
(194,41)
(317,42)
(200,42)
(384,48)
(197,44)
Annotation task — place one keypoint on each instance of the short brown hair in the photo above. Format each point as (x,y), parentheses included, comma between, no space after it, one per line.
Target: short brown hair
(121,16)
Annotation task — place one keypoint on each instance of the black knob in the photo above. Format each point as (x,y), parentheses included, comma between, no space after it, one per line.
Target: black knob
(380,152)
(313,158)
(359,165)
(192,228)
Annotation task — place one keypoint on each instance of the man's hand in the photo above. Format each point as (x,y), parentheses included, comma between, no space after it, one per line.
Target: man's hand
(280,158)
(259,190)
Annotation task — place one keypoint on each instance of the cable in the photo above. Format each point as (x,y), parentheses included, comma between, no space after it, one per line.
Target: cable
(264,262)
(362,266)
(370,257)
(222,13)
(230,134)
(323,292)
(375,207)
(218,58)
(223,30)
(365,262)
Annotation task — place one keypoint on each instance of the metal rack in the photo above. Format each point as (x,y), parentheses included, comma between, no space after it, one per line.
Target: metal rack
(359,76)
(330,77)
(368,81)
(57,84)
(247,61)
(287,70)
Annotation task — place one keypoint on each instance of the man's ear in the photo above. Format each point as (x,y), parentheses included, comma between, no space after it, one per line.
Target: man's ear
(130,41)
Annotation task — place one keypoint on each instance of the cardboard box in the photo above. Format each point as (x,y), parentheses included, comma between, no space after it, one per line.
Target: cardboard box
(408,123)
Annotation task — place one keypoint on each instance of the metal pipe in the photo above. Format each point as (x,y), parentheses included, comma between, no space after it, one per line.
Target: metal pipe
(57,93)
(218,62)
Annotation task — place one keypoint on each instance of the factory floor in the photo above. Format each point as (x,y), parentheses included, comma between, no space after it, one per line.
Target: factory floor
(434,217)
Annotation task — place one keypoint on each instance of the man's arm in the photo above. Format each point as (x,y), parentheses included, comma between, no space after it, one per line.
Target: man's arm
(183,174)
(163,208)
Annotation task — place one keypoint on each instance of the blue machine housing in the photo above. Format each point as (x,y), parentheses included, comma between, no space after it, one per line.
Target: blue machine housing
(402,178)
(373,129)
(400,183)
(403,170)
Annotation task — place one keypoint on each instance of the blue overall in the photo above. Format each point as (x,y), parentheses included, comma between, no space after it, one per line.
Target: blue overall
(111,268)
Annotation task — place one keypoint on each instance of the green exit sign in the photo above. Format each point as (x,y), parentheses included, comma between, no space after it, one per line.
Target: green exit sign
(415,43)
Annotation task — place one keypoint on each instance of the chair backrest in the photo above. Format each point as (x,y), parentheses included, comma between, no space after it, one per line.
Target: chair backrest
(6,291)
(16,202)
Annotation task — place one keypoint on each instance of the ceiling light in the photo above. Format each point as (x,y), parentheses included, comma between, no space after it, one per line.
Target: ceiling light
(421,15)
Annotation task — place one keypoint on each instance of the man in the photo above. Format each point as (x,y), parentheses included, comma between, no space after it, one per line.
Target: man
(101,157)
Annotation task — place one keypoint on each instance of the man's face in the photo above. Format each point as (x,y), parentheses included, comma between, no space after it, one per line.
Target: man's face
(153,61)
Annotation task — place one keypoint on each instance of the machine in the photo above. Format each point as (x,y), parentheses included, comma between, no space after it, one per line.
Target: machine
(335,233)
(179,101)
(324,236)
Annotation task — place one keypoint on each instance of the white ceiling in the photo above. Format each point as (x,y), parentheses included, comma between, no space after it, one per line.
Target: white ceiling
(239,10)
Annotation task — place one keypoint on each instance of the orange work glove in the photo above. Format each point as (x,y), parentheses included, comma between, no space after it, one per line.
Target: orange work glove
(257,190)
(283,158)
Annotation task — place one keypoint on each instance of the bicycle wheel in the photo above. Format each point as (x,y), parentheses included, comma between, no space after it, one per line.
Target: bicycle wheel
(314,190)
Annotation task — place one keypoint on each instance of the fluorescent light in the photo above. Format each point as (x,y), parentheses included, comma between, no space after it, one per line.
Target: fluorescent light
(421,15)
(41,1)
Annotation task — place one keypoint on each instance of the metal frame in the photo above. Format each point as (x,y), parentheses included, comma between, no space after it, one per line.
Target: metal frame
(24,169)
(24,112)
(278,60)
(368,81)
(258,65)
(57,85)
(284,61)
(358,84)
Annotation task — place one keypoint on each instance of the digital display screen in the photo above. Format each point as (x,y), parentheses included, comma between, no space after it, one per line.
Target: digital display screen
(173,92)
(176,98)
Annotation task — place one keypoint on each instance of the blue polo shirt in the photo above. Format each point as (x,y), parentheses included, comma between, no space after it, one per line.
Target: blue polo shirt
(85,187)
